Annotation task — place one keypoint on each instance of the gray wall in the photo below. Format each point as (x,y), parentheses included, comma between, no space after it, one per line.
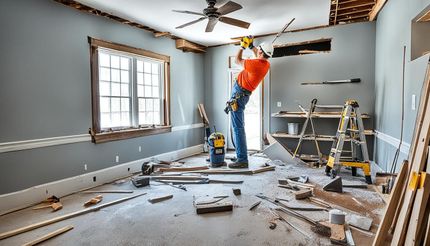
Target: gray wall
(45,92)
(393,32)
(351,56)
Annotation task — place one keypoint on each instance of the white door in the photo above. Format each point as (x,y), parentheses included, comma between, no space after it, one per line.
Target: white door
(253,115)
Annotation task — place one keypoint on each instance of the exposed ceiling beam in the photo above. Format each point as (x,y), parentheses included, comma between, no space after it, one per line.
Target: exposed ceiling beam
(335,12)
(355,6)
(376,9)
(352,1)
(353,17)
(425,17)
(354,12)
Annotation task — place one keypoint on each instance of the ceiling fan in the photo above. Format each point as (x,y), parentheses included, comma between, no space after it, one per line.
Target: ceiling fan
(215,14)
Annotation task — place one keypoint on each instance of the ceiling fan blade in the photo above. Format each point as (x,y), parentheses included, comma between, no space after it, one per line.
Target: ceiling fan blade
(229,7)
(234,22)
(188,12)
(192,22)
(211,24)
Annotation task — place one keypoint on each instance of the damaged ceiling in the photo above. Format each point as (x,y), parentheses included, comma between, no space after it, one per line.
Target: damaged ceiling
(264,16)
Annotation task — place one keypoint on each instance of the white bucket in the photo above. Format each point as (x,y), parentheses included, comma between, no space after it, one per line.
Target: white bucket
(293,128)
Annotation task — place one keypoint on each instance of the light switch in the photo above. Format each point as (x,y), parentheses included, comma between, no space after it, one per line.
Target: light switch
(279,104)
(413,106)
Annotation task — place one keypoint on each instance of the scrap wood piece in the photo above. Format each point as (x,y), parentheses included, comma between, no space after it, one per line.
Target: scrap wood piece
(64,217)
(93,200)
(253,206)
(178,177)
(51,199)
(182,169)
(337,232)
(203,114)
(319,202)
(213,208)
(55,206)
(160,198)
(302,194)
(387,220)
(218,181)
(223,171)
(294,227)
(292,182)
(107,191)
(358,186)
(210,201)
(49,235)
(289,187)
(263,169)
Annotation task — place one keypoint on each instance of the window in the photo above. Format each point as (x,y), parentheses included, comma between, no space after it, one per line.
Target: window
(130,89)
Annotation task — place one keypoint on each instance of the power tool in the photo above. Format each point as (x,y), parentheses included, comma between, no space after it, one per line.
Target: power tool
(216,143)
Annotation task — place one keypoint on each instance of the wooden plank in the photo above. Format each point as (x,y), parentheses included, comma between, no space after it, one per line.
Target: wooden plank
(188,46)
(64,217)
(376,9)
(263,169)
(353,17)
(302,194)
(425,17)
(384,226)
(161,34)
(49,236)
(202,112)
(182,169)
(418,161)
(160,198)
(418,211)
(213,208)
(108,191)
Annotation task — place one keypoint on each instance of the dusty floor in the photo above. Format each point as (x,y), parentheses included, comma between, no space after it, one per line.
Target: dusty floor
(175,222)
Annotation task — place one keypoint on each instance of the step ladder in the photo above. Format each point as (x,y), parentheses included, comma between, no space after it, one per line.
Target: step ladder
(351,125)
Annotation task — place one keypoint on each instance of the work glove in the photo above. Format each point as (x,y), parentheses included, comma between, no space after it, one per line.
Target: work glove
(247,42)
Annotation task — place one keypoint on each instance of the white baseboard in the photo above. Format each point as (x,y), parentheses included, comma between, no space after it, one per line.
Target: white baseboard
(24,198)
(393,141)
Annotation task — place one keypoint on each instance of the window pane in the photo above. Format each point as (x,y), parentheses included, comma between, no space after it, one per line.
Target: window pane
(149,105)
(124,90)
(141,105)
(104,104)
(105,120)
(114,61)
(104,59)
(155,68)
(105,74)
(116,89)
(141,118)
(140,91)
(155,91)
(116,119)
(125,119)
(140,78)
(125,76)
(157,118)
(147,67)
(104,88)
(115,75)
(139,66)
(147,79)
(116,105)
(148,91)
(157,105)
(124,63)
(149,118)
(125,105)
(155,80)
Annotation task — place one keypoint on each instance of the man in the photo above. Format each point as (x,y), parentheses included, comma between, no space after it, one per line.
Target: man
(254,70)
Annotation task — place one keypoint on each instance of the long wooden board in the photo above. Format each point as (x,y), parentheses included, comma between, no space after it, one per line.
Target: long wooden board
(64,217)
(384,226)
(49,236)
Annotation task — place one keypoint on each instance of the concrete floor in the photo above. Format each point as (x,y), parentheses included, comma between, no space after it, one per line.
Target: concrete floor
(175,222)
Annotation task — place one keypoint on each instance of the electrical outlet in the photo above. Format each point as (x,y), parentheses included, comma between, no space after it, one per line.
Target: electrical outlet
(117,158)
(413,106)
(85,167)
(279,104)
(140,148)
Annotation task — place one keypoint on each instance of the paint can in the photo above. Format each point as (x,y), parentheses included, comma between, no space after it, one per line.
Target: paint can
(336,217)
(293,128)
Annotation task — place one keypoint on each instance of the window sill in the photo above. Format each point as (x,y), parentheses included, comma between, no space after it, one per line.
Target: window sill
(131,133)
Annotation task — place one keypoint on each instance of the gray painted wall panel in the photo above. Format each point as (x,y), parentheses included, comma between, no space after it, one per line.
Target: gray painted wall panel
(45,91)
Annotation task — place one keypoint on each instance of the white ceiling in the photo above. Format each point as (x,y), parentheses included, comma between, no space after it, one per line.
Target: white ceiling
(265,16)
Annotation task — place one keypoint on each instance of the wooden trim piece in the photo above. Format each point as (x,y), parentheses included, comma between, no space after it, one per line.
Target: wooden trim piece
(49,235)
(303,43)
(167,105)
(95,92)
(188,46)
(161,34)
(125,48)
(64,217)
(132,133)
(424,17)
(376,9)
(384,226)
(335,12)
(182,169)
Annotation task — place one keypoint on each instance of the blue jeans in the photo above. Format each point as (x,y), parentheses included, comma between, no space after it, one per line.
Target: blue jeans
(238,124)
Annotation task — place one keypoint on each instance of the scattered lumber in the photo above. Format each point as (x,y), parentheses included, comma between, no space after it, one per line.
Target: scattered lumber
(213,208)
(49,236)
(93,201)
(160,198)
(210,201)
(182,169)
(337,233)
(302,194)
(108,191)
(253,206)
(178,177)
(55,206)
(232,171)
(292,182)
(64,217)
(319,202)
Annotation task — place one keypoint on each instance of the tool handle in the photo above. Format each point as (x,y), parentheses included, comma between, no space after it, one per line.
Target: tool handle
(357,80)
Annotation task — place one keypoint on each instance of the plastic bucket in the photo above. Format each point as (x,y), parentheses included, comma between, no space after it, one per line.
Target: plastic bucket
(293,128)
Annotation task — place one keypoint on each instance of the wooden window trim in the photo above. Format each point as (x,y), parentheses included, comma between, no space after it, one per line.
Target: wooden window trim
(97,135)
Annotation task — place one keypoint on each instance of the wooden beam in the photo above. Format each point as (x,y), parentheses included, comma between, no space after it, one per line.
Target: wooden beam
(161,34)
(356,6)
(335,12)
(49,236)
(354,12)
(353,1)
(425,17)
(188,46)
(376,9)
(353,17)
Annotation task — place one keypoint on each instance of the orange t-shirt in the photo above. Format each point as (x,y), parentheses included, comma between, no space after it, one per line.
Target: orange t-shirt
(253,72)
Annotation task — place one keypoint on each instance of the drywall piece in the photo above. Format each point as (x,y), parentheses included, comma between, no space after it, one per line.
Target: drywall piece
(359,221)
(277,152)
